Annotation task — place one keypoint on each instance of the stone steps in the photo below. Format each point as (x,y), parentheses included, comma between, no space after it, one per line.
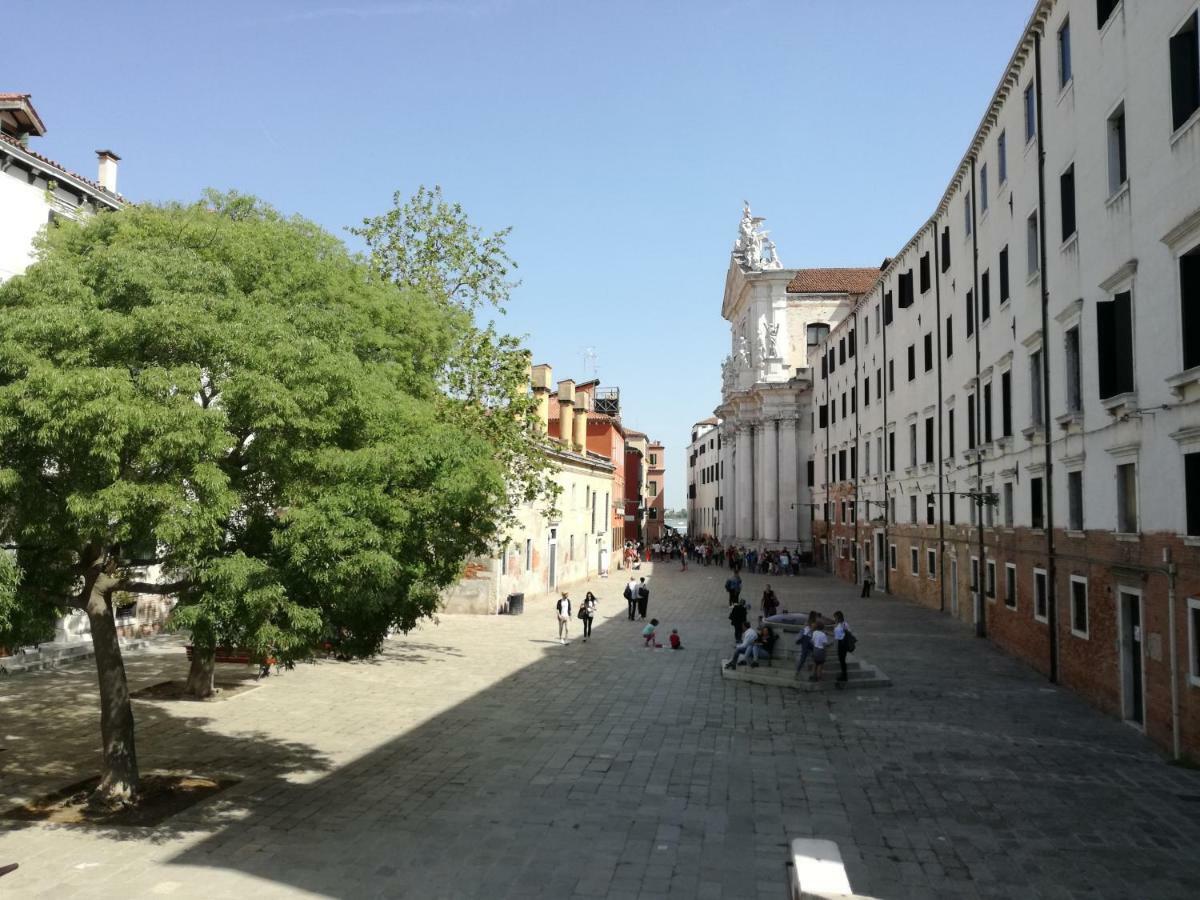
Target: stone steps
(861,674)
(58,653)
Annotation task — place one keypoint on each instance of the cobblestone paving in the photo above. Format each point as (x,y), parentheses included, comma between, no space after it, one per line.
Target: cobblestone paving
(478,758)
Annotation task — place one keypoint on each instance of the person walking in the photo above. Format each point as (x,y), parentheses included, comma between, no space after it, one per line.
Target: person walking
(738,618)
(631,595)
(841,634)
(563,608)
(733,585)
(770,603)
(587,612)
(643,598)
(867,581)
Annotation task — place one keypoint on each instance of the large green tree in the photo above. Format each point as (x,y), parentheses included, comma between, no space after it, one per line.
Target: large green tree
(221,403)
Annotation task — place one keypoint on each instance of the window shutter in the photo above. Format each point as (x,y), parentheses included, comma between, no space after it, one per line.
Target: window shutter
(1189,284)
(1123,341)
(1067,196)
(945,248)
(1185,73)
(1192,478)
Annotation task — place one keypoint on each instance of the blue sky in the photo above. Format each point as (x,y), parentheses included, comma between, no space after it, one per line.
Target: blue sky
(618,139)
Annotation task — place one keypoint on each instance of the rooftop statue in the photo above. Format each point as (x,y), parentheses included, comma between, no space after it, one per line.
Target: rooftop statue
(750,242)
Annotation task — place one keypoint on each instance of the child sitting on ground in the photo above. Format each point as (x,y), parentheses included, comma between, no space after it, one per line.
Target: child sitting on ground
(676,644)
(648,633)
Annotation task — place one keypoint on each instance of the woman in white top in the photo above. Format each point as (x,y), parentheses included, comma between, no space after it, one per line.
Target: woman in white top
(820,640)
(563,609)
(840,631)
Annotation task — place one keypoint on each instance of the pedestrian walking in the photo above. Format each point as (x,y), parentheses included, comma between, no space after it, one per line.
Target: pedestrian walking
(845,642)
(643,598)
(737,618)
(733,586)
(770,603)
(587,611)
(868,581)
(563,608)
(631,595)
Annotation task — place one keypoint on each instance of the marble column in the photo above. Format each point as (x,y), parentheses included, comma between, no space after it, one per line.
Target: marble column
(789,494)
(744,522)
(770,479)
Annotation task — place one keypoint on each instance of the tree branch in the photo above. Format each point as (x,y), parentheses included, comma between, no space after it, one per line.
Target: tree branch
(152,587)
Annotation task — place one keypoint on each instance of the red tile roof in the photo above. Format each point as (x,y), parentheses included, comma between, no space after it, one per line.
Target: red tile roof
(833,281)
(63,169)
(39,127)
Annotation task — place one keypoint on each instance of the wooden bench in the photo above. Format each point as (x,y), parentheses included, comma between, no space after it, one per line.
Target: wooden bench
(238,657)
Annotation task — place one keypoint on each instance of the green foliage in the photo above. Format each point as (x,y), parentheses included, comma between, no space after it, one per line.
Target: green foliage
(428,245)
(230,391)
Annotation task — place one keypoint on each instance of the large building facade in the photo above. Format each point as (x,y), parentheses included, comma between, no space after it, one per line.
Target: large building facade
(1005,423)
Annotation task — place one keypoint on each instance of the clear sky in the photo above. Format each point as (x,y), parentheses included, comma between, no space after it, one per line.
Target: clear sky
(617,138)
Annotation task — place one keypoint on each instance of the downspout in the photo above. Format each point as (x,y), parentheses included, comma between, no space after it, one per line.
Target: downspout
(977,494)
(828,507)
(858,563)
(885,373)
(1171,573)
(937,327)
(1051,573)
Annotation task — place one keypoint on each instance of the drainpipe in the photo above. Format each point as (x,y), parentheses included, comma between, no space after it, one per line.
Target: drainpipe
(886,566)
(937,328)
(854,465)
(977,494)
(1051,568)
(825,464)
(1171,574)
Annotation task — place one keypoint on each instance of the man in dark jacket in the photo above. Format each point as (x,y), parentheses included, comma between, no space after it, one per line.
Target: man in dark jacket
(643,598)
(737,618)
(734,586)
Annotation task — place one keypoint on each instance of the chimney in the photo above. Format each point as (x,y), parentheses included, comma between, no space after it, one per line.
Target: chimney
(580,436)
(108,170)
(541,382)
(566,411)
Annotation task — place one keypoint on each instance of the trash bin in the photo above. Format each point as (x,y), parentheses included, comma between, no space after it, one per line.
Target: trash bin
(516,604)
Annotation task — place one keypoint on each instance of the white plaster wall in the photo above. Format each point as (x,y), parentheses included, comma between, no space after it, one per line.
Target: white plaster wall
(23,212)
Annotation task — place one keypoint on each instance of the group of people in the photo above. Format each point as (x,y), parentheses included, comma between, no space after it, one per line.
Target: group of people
(708,550)
(637,596)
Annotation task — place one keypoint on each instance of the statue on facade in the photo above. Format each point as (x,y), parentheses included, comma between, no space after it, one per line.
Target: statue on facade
(770,340)
(772,260)
(743,352)
(749,243)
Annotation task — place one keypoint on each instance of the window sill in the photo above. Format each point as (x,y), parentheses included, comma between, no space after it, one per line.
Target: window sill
(1119,403)
(1191,540)
(1118,195)
(1194,680)
(1071,243)
(1127,537)
(1043,619)
(1179,383)
(1075,534)
(1188,125)
(1032,433)
(1003,443)
(1033,276)
(1066,420)
(1082,635)
(1011,607)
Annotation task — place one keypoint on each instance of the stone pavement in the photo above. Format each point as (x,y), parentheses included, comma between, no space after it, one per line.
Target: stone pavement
(478,758)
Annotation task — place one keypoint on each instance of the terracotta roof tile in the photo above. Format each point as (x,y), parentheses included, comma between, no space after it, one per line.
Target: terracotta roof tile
(833,281)
(63,169)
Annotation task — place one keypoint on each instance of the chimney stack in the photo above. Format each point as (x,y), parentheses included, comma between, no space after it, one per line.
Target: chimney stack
(566,411)
(541,381)
(108,170)
(579,440)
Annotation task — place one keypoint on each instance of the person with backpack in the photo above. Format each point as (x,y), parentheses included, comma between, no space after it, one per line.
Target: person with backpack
(845,642)
(738,618)
(563,609)
(733,585)
(643,598)
(587,611)
(631,595)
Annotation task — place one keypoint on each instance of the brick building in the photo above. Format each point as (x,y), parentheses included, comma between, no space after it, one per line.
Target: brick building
(1007,422)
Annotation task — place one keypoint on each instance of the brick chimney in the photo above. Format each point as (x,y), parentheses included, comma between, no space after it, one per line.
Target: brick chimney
(541,381)
(108,170)
(579,437)
(566,411)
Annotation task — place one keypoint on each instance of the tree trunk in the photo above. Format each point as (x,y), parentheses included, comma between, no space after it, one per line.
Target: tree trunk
(120,781)
(201,674)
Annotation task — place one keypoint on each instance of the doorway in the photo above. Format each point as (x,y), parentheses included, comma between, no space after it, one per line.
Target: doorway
(954,587)
(881,572)
(553,555)
(1133,699)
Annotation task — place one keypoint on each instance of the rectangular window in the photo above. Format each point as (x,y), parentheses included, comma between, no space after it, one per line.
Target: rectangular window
(1074,395)
(1189,298)
(853,399)
(1037,518)
(1118,171)
(929,439)
(1127,507)
(931,563)
(1066,193)
(850,344)
(879,384)
(912,441)
(1064,54)
(967,214)
(912,558)
(1006,404)
(930,510)
(841,460)
(925,272)
(504,559)
(528,554)
(945,248)
(974,573)
(1004,293)
(970,309)
(1194,639)
(970,421)
(867,391)
(1030,114)
(912,362)
(854,462)
(949,336)
(1035,388)
(887,308)
(892,557)
(985,296)
(1040,605)
(812,480)
(841,351)
(1008,504)
(929,352)
(1079,606)
(1002,157)
(891,451)
(1104,9)
(1010,585)
(1185,72)
(904,285)
(987,413)
(1114,345)
(1075,501)
(950,431)
(823,416)
(1191,477)
(952,506)
(1032,249)
(990,584)
(891,375)
(843,404)
(878,455)
(983,191)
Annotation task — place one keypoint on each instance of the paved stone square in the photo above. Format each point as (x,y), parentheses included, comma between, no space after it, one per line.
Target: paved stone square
(479,758)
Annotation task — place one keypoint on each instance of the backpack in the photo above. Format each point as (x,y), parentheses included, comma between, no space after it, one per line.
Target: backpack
(851,641)
(628,593)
